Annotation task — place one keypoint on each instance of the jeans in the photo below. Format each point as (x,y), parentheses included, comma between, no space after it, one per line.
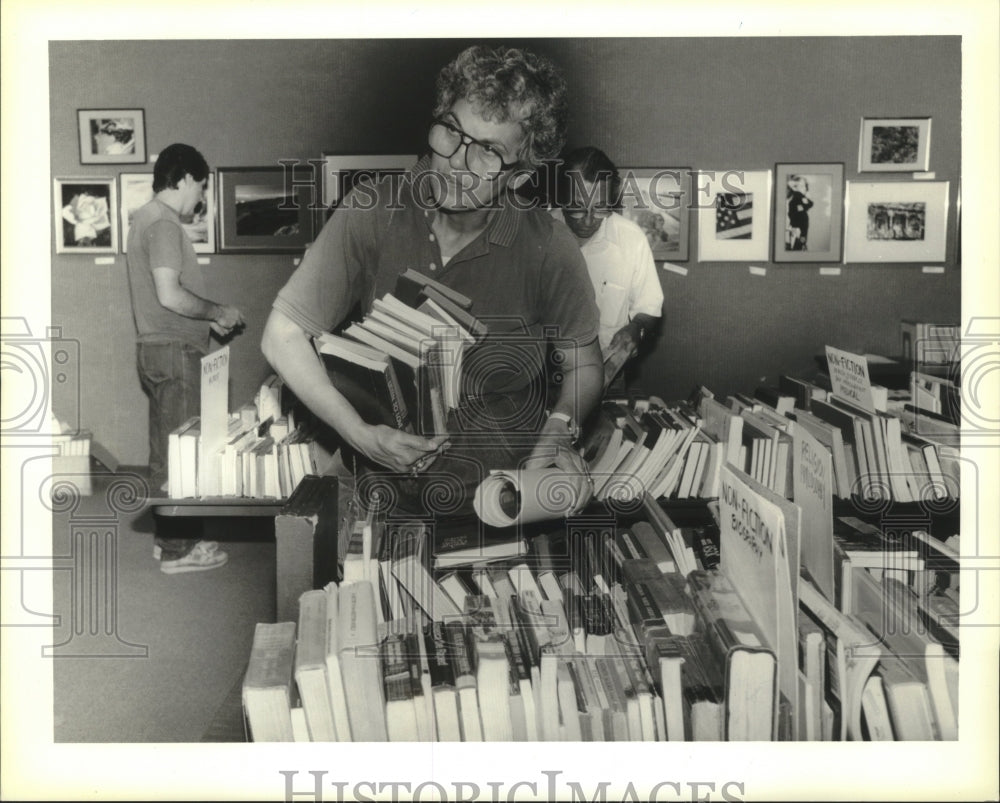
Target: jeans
(170,374)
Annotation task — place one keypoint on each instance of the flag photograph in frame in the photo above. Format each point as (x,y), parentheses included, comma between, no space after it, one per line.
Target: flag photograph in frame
(734,215)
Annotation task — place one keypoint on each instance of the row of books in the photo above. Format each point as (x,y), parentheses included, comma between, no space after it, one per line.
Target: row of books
(605,632)
(676,451)
(264,454)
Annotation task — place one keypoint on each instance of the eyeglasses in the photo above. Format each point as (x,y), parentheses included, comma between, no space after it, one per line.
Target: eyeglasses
(580,214)
(481,159)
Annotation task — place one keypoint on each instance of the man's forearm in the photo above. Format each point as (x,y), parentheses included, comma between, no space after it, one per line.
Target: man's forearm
(289,351)
(583,382)
(184,302)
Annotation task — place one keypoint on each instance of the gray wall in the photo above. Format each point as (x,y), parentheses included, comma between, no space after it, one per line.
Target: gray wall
(690,102)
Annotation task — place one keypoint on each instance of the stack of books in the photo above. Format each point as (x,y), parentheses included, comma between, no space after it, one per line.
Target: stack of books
(264,453)
(402,364)
(676,451)
(605,633)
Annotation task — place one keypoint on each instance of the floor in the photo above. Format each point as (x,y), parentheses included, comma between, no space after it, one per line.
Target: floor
(141,656)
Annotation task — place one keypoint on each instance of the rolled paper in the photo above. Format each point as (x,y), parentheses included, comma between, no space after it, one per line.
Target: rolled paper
(506,498)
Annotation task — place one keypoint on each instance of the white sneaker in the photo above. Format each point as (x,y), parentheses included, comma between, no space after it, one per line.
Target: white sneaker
(203,557)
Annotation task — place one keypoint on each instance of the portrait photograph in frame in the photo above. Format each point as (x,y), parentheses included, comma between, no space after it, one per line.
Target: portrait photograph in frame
(112,136)
(734,215)
(265,209)
(339,173)
(658,201)
(901,221)
(808,212)
(136,190)
(84,215)
(894,144)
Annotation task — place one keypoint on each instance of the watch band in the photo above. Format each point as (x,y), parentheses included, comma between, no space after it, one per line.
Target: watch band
(567,419)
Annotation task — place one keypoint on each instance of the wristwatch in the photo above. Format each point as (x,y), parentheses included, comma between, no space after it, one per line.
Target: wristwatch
(571,425)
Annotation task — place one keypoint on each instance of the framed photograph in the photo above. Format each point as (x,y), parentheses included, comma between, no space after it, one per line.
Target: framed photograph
(136,190)
(84,215)
(734,215)
(265,209)
(340,172)
(808,212)
(896,221)
(894,144)
(658,200)
(112,136)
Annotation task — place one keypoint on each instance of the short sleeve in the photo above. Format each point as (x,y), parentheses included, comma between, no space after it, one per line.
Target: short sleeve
(567,292)
(165,246)
(331,278)
(646,296)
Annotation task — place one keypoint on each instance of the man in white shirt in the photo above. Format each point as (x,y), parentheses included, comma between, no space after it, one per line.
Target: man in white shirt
(620,262)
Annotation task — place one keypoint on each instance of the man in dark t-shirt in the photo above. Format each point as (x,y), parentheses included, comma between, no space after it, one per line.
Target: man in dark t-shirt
(173,321)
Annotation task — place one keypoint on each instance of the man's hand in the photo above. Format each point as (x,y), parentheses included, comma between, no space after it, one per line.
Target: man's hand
(554,448)
(398,450)
(626,339)
(227,320)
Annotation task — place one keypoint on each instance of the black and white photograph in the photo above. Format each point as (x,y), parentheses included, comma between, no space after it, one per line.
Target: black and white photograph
(897,221)
(112,136)
(895,145)
(809,212)
(265,209)
(734,215)
(658,200)
(385,450)
(84,215)
(136,190)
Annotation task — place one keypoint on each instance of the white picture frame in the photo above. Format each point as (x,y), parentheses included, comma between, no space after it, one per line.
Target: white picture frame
(734,215)
(894,144)
(84,215)
(896,221)
(136,189)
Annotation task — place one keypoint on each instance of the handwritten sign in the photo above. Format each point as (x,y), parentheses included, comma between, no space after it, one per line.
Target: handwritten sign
(214,419)
(759,553)
(812,481)
(849,377)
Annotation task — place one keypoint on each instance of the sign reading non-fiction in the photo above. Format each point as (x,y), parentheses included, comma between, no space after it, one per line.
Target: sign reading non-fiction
(755,556)
(214,419)
(849,377)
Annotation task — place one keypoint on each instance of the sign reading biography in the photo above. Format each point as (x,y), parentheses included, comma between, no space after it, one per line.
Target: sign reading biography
(759,553)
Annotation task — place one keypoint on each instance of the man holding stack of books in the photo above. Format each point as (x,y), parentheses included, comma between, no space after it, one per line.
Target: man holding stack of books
(455,218)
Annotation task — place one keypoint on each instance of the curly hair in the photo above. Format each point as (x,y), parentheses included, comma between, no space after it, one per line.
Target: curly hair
(510,85)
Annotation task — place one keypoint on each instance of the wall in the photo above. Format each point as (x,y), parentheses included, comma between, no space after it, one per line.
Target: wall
(703,103)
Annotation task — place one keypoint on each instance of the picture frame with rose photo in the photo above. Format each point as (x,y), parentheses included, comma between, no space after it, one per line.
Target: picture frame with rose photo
(84,217)
(136,190)
(112,136)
